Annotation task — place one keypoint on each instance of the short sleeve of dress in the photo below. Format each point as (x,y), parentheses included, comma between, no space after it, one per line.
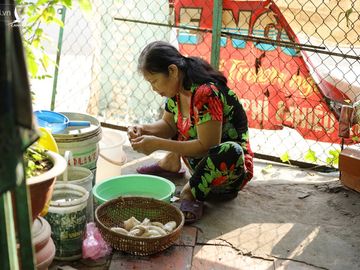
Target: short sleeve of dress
(207,104)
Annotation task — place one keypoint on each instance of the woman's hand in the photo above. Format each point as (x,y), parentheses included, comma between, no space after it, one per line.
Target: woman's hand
(145,144)
(134,132)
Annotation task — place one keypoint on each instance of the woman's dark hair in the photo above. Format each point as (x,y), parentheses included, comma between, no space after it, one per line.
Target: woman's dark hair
(157,56)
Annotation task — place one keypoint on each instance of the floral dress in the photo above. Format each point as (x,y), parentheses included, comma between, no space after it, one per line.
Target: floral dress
(228,166)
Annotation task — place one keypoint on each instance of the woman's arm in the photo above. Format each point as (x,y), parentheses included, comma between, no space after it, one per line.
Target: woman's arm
(209,134)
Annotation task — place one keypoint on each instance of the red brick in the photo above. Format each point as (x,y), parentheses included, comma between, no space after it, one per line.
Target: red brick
(187,237)
(175,257)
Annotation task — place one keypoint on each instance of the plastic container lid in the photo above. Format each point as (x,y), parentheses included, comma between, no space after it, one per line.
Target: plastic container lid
(80,133)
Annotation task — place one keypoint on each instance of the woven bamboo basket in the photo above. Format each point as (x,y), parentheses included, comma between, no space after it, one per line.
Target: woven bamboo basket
(113,213)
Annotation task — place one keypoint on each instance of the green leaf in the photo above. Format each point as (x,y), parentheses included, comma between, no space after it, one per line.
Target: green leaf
(66,3)
(193,191)
(310,156)
(193,87)
(85,5)
(333,159)
(244,145)
(224,148)
(215,173)
(232,133)
(334,152)
(39,31)
(51,11)
(192,132)
(58,21)
(171,104)
(205,190)
(240,161)
(36,42)
(227,108)
(245,136)
(33,18)
(231,93)
(32,65)
(205,118)
(41,2)
(210,164)
(285,157)
(207,177)
(267,169)
(347,14)
(204,182)
(45,61)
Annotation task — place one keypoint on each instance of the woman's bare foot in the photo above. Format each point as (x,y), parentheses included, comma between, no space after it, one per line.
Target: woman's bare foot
(171,162)
(186,194)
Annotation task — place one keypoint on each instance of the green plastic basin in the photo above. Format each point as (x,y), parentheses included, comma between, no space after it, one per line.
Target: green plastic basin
(134,185)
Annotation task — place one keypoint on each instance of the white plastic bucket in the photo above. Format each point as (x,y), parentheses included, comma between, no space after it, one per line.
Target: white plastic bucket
(83,142)
(82,177)
(111,156)
(67,217)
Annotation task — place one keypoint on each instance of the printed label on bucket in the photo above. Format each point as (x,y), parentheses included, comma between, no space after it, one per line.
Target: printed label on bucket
(67,232)
(85,159)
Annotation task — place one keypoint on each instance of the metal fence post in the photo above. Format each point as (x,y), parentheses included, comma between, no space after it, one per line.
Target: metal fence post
(216,33)
(58,55)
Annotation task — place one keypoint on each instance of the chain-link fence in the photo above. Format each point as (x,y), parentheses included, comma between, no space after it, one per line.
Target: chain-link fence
(292,63)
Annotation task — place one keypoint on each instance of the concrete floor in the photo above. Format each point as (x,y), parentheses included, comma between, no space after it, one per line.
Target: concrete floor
(285,218)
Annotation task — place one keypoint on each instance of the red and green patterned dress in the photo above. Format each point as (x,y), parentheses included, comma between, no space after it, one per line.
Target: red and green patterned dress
(228,166)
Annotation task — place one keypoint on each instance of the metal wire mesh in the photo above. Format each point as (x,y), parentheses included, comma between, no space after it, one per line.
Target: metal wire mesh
(292,63)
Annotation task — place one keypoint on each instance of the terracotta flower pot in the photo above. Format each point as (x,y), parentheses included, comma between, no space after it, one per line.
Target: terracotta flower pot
(41,186)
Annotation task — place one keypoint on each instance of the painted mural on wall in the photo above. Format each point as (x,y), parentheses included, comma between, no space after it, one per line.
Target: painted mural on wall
(273,81)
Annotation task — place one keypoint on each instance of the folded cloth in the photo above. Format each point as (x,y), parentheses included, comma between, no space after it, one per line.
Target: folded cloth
(155,169)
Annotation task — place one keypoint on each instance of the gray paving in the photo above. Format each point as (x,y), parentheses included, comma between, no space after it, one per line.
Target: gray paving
(285,218)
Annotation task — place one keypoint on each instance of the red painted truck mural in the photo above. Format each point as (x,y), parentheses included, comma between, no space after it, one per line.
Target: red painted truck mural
(273,82)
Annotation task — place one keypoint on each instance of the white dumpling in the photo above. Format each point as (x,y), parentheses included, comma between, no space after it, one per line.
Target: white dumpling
(119,230)
(170,226)
(131,223)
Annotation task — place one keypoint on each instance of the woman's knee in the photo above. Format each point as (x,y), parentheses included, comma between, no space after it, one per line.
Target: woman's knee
(227,149)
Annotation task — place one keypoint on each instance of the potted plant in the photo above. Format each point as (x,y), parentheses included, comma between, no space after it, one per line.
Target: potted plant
(42,167)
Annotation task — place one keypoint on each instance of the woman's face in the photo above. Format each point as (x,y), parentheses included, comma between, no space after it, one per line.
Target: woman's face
(165,85)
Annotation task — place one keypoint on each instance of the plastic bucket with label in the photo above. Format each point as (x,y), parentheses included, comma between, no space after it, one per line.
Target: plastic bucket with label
(83,142)
(67,218)
(111,156)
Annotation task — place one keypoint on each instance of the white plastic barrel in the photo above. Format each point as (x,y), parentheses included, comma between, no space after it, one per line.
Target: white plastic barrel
(112,155)
(83,142)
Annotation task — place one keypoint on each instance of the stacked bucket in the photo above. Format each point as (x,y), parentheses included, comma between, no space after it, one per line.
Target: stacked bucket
(71,204)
